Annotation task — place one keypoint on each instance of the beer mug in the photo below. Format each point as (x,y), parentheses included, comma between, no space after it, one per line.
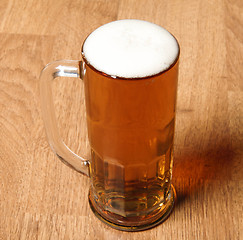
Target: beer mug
(129,69)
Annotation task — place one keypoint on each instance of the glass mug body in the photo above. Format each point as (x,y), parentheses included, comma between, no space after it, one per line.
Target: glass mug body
(131,131)
(131,125)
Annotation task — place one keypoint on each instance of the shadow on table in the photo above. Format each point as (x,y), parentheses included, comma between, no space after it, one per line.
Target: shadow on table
(193,169)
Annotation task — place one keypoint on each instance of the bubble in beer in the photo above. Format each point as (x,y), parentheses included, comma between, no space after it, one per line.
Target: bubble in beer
(130,49)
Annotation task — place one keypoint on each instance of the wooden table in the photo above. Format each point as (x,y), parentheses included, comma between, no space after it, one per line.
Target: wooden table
(41,198)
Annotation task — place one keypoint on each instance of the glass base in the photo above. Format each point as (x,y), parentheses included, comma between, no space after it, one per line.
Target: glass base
(166,209)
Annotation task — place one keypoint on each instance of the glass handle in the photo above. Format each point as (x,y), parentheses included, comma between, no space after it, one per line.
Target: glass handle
(63,68)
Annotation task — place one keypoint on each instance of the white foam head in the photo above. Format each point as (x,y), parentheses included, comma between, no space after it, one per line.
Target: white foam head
(130,49)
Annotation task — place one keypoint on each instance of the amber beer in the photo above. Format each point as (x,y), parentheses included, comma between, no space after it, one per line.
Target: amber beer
(131,120)
(129,69)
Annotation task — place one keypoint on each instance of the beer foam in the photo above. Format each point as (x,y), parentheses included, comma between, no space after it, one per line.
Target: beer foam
(130,49)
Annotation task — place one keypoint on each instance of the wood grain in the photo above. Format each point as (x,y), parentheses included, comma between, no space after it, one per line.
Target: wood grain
(41,198)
